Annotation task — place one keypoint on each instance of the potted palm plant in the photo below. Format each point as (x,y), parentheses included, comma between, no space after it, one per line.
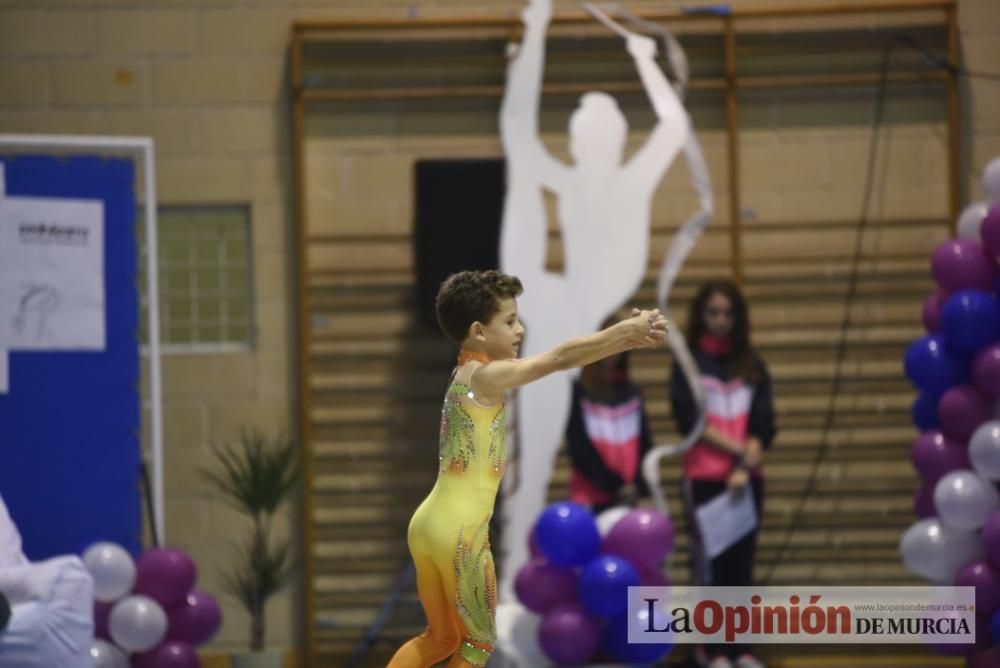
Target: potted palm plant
(256,476)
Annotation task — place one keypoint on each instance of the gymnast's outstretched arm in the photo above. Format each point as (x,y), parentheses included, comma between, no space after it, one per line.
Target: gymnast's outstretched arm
(645,329)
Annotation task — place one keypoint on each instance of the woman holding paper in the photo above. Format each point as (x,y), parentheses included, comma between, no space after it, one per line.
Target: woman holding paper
(728,458)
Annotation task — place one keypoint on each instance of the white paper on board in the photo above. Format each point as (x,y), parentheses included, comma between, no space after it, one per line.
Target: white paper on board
(52,274)
(4,372)
(4,359)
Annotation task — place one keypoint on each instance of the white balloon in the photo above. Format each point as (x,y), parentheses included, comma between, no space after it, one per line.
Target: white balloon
(517,637)
(610,517)
(984,450)
(106,655)
(936,551)
(991,181)
(964,500)
(970,221)
(112,568)
(137,623)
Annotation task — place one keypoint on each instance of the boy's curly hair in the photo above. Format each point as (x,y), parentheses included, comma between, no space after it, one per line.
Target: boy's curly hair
(470,296)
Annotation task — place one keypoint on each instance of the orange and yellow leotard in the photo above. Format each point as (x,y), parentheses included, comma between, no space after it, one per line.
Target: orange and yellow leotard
(449,533)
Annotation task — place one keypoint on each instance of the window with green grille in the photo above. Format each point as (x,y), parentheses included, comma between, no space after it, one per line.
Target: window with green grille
(204,276)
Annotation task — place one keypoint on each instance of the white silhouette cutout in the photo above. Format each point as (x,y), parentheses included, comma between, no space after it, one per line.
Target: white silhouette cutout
(604,206)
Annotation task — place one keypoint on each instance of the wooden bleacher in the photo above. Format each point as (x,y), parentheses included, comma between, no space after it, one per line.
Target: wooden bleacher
(377,378)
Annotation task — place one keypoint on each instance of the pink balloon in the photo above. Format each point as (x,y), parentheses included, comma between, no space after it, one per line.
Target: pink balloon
(171,654)
(986,580)
(962,409)
(935,455)
(991,539)
(102,613)
(643,536)
(923,501)
(932,311)
(196,620)
(986,370)
(541,586)
(990,231)
(165,575)
(962,264)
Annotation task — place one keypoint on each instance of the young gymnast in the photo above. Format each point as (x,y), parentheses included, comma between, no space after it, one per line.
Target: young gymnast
(448,535)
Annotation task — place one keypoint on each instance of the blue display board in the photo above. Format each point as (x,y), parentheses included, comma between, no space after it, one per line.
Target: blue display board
(70,423)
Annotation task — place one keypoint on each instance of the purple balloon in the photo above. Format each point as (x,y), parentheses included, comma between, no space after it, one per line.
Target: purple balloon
(935,455)
(932,311)
(569,636)
(196,620)
(962,264)
(102,613)
(541,586)
(986,370)
(643,536)
(653,578)
(171,654)
(923,501)
(990,231)
(986,580)
(165,575)
(991,539)
(962,409)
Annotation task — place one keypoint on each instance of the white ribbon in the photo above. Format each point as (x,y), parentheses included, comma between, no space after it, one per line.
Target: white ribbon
(684,241)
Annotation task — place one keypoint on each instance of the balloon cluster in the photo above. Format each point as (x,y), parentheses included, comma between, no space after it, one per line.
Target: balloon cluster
(579,575)
(148,609)
(956,368)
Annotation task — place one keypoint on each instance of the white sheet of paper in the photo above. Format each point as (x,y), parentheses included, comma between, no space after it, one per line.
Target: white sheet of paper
(51,274)
(725,519)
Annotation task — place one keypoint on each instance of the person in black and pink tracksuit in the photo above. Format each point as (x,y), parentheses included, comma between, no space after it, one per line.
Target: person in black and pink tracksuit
(740,426)
(607,435)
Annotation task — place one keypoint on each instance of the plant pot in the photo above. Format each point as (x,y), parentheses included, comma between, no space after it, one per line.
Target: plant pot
(267,659)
